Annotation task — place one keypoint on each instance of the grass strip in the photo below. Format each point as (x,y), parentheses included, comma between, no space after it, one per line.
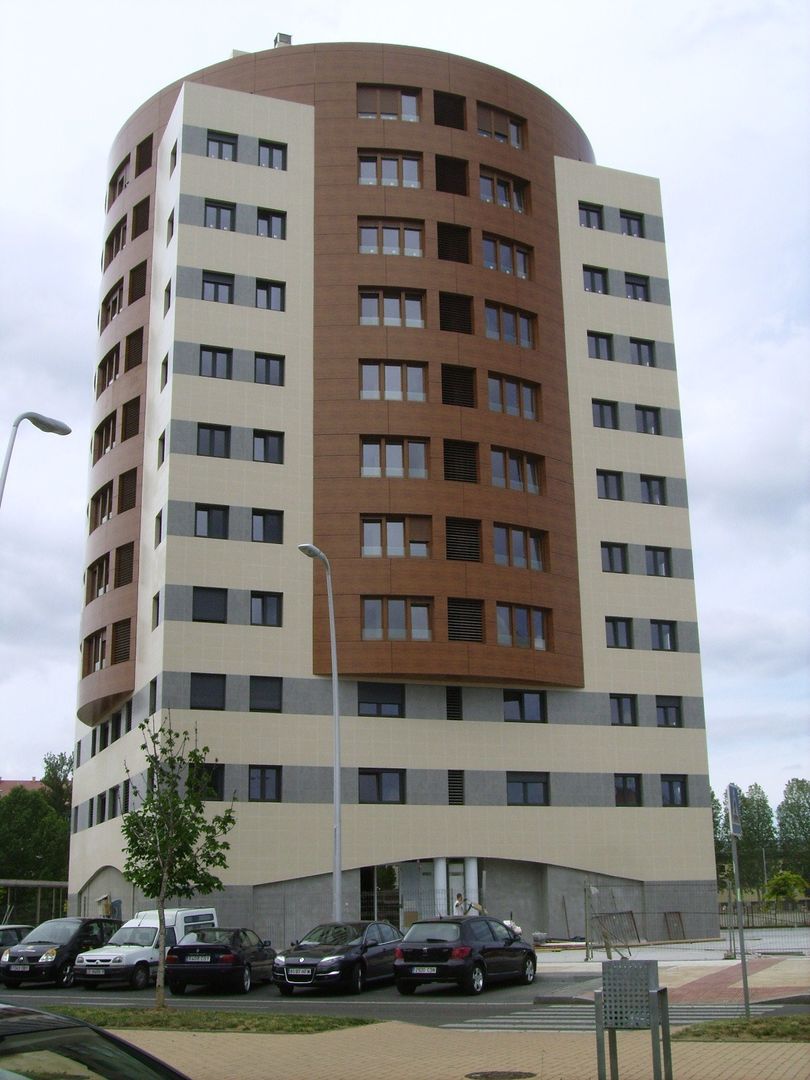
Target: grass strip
(209,1020)
(759,1029)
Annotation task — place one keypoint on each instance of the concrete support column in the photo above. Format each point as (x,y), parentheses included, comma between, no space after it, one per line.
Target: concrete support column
(471,879)
(440,885)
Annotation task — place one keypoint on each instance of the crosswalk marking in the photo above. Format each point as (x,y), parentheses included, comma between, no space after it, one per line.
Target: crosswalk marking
(582,1017)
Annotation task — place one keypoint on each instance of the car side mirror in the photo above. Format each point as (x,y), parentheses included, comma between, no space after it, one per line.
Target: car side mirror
(267,944)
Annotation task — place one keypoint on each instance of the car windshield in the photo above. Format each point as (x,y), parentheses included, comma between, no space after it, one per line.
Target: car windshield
(212,936)
(58,931)
(134,935)
(73,1052)
(334,934)
(434,931)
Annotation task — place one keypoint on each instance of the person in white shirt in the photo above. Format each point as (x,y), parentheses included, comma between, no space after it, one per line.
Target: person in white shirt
(459,906)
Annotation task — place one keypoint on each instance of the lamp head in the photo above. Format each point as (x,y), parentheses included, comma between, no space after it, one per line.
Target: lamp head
(46,423)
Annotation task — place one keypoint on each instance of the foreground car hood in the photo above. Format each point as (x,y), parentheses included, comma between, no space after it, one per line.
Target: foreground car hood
(131,953)
(316,952)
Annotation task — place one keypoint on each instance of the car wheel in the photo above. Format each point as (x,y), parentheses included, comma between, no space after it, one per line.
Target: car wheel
(12,984)
(140,977)
(285,989)
(177,988)
(244,980)
(358,979)
(406,988)
(527,976)
(474,981)
(65,975)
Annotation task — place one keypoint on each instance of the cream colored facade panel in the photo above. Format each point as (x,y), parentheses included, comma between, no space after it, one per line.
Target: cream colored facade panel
(244,483)
(240,404)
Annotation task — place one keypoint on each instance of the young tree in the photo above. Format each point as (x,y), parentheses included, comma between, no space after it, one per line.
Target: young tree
(57,776)
(786,886)
(172,845)
(757,846)
(722,843)
(793,818)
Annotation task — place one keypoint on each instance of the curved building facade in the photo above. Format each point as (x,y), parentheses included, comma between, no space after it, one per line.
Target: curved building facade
(381,299)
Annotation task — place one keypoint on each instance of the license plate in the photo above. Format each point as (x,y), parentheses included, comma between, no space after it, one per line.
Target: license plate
(299,971)
(18,967)
(199,959)
(423,971)
(94,971)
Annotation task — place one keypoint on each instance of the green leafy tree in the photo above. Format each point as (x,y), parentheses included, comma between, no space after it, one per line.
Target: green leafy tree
(57,776)
(793,818)
(757,847)
(172,844)
(34,839)
(785,885)
(722,842)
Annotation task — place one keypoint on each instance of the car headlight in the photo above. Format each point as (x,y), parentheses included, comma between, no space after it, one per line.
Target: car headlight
(4,959)
(118,960)
(48,956)
(280,961)
(80,960)
(329,960)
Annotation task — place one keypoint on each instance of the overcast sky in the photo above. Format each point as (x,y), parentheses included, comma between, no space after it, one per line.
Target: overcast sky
(710,96)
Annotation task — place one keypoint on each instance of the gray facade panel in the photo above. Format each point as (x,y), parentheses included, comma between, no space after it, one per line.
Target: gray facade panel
(664,352)
(563,707)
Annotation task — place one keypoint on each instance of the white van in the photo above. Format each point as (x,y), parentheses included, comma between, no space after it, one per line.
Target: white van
(131,954)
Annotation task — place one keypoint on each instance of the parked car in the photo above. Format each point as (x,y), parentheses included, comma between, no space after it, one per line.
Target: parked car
(49,951)
(11,933)
(131,955)
(219,956)
(36,1044)
(349,954)
(471,951)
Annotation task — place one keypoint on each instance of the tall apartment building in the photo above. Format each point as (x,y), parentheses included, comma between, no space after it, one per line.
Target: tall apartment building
(381,299)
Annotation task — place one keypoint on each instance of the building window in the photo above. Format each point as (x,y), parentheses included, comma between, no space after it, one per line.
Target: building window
(221,145)
(97,578)
(101,506)
(124,564)
(394,458)
(167,298)
(143,155)
(211,521)
(265,609)
(637,287)
(121,638)
(590,216)
(614,558)
(265,693)
(452,175)
(495,124)
(664,635)
(458,386)
(127,490)
(673,790)
(396,619)
(94,652)
(460,461)
(515,397)
(104,437)
(465,619)
(112,304)
(272,224)
(455,787)
(514,545)
(449,110)
(217,287)
(600,346)
(272,155)
(173,159)
(156,610)
(268,446)
(506,256)
(267,526)
(395,537)
(153,696)
(516,470)
(389,168)
(381,785)
(391,307)
(524,706)
(595,279)
(623,710)
(462,539)
(270,295)
(653,490)
(220,215)
(453,703)
(527,789)
(207,691)
(130,418)
(380,699)
(164,371)
(107,371)
(215,363)
(509,325)
(452,242)
(392,381)
(631,224)
(618,632)
(137,283)
(158,538)
(210,780)
(642,352)
(609,484)
(115,242)
(659,561)
(133,349)
(140,217)
(118,181)
(627,788)
(268,369)
(386,236)
(668,711)
(605,414)
(503,190)
(387,103)
(455,313)
(648,420)
(213,441)
(522,627)
(209,605)
(264,783)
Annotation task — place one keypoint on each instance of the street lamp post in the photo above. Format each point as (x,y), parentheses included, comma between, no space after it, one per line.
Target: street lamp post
(337,892)
(44,423)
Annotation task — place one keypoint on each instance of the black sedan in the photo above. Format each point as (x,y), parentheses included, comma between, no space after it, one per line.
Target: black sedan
(37,1044)
(219,956)
(470,951)
(347,954)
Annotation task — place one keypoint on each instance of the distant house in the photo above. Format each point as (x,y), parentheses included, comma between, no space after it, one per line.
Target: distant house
(29,785)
